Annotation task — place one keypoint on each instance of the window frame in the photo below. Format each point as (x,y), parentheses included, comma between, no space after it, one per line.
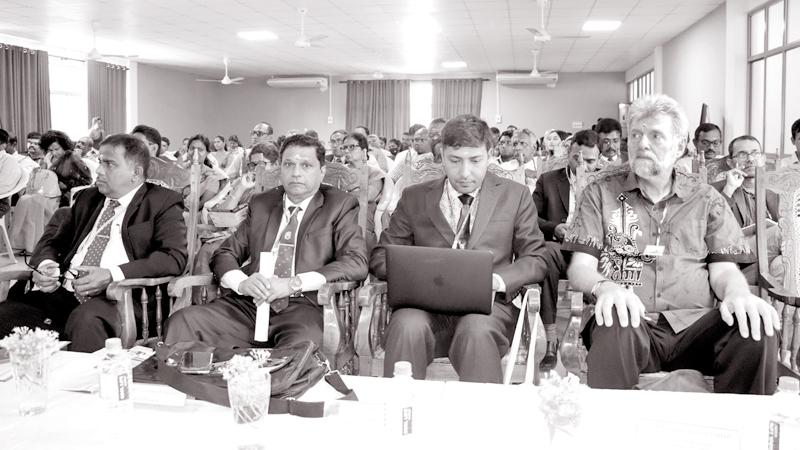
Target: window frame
(642,85)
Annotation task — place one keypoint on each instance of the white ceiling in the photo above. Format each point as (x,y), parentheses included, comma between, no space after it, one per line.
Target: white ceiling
(363,35)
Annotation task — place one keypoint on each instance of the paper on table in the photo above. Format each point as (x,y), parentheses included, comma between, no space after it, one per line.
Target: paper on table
(267,268)
(684,436)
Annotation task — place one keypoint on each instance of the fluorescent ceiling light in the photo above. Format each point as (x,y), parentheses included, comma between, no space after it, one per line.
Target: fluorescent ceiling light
(258,35)
(601,25)
(454,64)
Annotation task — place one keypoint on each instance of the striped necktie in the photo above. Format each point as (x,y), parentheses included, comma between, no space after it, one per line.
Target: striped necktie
(98,245)
(284,263)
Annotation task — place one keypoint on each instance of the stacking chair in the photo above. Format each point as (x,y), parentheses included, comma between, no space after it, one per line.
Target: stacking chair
(22,180)
(785,296)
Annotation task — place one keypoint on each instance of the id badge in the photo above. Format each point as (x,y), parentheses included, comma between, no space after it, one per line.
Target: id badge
(653,250)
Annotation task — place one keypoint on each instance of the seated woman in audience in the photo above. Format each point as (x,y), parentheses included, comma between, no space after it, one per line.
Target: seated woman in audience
(212,177)
(234,147)
(379,191)
(68,166)
(230,162)
(234,197)
(34,209)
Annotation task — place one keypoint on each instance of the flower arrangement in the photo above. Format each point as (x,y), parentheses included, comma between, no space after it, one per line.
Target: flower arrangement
(239,365)
(560,403)
(25,343)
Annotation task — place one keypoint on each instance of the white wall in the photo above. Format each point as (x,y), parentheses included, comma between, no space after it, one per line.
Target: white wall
(179,106)
(578,97)
(694,68)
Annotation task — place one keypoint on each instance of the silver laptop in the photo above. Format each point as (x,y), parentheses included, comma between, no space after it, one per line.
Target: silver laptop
(440,280)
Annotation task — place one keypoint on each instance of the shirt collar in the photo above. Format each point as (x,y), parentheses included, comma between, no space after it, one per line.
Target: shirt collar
(453,193)
(126,199)
(682,185)
(303,205)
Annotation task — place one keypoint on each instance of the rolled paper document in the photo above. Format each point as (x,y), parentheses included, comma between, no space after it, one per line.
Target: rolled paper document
(267,268)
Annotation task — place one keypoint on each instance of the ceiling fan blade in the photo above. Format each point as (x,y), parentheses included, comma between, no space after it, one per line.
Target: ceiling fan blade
(536,31)
(119,56)
(567,36)
(207,81)
(237,79)
(235,82)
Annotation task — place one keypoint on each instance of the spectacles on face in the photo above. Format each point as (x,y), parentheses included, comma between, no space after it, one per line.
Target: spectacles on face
(254,165)
(743,157)
(258,133)
(516,144)
(350,147)
(707,143)
(608,141)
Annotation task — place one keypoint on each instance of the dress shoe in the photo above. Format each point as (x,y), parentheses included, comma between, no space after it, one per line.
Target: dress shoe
(550,357)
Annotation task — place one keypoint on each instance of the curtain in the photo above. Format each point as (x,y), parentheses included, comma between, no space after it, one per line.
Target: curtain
(383,106)
(454,97)
(24,91)
(107,95)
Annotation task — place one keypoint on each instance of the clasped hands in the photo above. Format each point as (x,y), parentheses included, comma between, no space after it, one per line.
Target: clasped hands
(88,281)
(264,289)
(749,310)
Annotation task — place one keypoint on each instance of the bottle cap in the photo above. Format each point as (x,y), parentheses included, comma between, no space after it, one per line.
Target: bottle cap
(113,345)
(785,384)
(402,369)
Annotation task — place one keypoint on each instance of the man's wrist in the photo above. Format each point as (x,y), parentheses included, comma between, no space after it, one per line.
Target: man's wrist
(598,286)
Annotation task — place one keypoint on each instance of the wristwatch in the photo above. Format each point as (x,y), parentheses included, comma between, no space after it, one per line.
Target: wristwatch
(597,285)
(296,284)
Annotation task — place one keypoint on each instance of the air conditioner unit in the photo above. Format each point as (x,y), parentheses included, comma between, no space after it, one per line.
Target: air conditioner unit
(528,78)
(320,83)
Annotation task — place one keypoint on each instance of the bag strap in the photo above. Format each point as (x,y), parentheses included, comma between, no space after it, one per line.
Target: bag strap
(312,409)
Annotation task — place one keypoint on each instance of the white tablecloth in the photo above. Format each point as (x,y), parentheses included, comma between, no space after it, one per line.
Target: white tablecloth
(458,415)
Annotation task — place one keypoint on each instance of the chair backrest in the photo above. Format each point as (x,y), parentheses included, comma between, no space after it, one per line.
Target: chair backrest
(517,175)
(267,179)
(785,183)
(353,181)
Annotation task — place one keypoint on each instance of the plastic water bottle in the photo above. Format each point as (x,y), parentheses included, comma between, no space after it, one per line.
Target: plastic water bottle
(116,375)
(399,411)
(784,426)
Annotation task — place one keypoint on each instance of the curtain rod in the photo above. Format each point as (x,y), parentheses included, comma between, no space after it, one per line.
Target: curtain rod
(431,79)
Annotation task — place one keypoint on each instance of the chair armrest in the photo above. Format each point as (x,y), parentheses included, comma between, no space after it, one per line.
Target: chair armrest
(328,290)
(179,285)
(373,318)
(339,314)
(369,292)
(115,290)
(16,274)
(570,349)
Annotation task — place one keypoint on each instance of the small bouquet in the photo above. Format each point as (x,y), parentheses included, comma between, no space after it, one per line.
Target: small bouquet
(239,365)
(560,403)
(25,343)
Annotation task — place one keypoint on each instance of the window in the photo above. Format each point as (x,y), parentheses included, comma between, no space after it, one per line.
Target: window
(69,98)
(421,102)
(774,67)
(641,86)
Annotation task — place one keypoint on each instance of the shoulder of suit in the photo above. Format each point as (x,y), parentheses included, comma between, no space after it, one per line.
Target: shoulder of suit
(421,188)
(510,186)
(156,191)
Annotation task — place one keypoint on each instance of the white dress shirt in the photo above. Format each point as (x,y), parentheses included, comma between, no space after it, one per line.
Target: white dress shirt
(402,159)
(572,179)
(311,281)
(114,254)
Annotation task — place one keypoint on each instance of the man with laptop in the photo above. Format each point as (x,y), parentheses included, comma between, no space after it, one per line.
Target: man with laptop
(458,303)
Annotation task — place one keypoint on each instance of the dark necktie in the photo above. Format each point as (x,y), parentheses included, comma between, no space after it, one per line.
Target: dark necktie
(98,245)
(285,260)
(463,219)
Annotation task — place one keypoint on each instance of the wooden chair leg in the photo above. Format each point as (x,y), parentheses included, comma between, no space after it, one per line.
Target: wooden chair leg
(570,345)
(7,241)
(511,358)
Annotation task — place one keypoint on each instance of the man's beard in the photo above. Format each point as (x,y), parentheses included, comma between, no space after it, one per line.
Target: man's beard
(645,168)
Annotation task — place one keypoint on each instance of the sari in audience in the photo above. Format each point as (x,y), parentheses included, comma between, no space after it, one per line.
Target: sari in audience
(229,161)
(35,208)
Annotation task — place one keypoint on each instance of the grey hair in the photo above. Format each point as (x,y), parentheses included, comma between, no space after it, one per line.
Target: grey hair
(525,132)
(651,105)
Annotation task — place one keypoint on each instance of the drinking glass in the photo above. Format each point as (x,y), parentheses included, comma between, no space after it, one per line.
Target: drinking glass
(30,376)
(249,396)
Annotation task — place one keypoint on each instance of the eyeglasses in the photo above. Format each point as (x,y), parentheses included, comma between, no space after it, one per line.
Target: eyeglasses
(708,143)
(258,133)
(744,156)
(609,141)
(350,147)
(420,139)
(252,166)
(520,144)
(70,274)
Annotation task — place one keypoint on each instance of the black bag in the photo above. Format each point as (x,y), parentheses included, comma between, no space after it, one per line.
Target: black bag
(305,365)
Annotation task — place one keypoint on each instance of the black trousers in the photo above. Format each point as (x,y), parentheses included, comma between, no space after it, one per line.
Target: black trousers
(86,325)
(557,263)
(231,322)
(475,343)
(617,355)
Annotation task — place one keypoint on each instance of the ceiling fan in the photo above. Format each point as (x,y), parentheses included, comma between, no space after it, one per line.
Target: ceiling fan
(304,41)
(226,80)
(535,71)
(540,33)
(95,54)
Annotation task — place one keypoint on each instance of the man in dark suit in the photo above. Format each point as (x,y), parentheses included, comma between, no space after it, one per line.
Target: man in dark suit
(319,241)
(555,198)
(739,190)
(495,214)
(122,228)
(609,132)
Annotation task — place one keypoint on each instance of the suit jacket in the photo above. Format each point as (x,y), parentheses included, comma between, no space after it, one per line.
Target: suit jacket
(329,239)
(739,208)
(505,224)
(551,198)
(153,232)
